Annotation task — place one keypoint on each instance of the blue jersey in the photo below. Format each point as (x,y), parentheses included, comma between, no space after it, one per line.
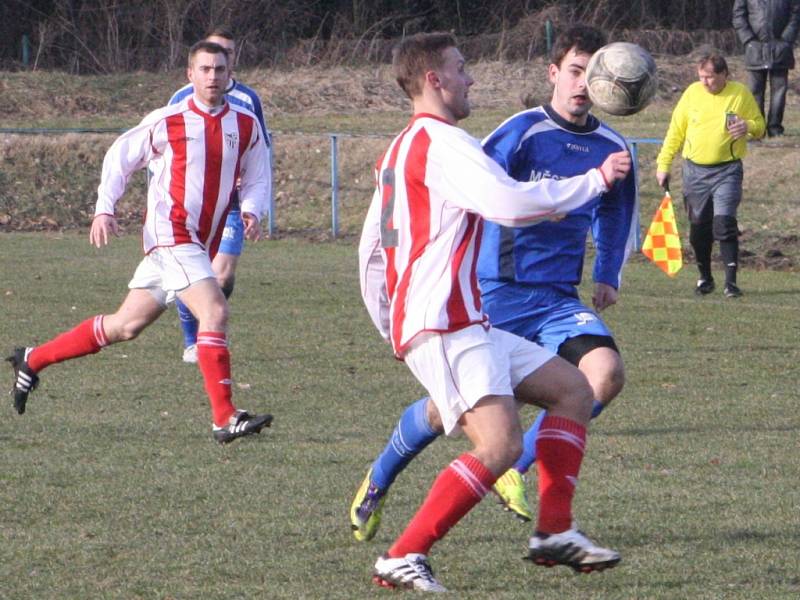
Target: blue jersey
(539,143)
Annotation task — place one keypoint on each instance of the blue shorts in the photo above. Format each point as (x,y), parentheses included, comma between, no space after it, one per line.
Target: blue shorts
(543,314)
(233,235)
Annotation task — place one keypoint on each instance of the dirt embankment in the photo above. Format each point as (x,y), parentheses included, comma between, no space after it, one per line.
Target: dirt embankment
(49,182)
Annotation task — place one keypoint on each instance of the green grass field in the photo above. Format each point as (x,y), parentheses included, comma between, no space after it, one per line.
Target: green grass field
(111,486)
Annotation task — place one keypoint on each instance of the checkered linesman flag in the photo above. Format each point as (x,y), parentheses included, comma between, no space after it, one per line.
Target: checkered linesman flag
(662,244)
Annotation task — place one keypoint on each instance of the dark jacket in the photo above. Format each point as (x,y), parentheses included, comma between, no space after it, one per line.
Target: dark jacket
(768,30)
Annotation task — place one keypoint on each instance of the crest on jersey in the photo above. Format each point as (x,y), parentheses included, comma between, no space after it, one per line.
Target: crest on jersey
(232,140)
(584,318)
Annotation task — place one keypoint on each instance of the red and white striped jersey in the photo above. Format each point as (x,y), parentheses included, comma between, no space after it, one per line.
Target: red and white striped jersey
(195,155)
(421,237)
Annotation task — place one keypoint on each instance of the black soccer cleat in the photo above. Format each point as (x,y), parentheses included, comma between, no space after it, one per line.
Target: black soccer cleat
(241,424)
(25,380)
(570,548)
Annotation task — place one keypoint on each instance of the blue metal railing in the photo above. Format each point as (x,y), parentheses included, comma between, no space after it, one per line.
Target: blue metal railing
(334,149)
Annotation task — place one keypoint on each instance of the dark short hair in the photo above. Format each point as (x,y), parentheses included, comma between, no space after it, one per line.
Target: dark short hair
(204,46)
(584,38)
(418,54)
(222,32)
(716,60)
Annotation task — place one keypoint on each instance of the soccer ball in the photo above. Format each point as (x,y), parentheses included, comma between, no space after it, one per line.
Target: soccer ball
(621,78)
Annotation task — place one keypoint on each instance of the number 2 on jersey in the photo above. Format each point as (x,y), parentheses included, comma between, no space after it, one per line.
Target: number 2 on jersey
(388,236)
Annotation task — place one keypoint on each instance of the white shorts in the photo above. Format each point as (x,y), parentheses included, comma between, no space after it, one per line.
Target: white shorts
(167,270)
(460,368)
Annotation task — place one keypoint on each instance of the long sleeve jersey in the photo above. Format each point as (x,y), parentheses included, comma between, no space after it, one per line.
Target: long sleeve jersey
(420,241)
(196,156)
(538,144)
(246,97)
(698,123)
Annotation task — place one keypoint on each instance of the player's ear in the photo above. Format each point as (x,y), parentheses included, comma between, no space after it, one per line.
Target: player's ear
(552,73)
(432,77)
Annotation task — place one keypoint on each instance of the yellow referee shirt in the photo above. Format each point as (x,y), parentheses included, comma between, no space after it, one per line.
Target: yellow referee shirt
(698,122)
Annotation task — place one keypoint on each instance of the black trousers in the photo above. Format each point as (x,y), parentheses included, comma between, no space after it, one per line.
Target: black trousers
(778,84)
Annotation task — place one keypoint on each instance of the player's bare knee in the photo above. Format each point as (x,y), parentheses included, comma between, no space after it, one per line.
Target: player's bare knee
(609,384)
(214,317)
(575,400)
(513,450)
(129,330)
(616,381)
(499,457)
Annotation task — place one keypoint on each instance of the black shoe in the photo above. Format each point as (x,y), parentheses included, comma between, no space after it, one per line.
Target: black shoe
(704,286)
(570,548)
(241,424)
(732,291)
(25,380)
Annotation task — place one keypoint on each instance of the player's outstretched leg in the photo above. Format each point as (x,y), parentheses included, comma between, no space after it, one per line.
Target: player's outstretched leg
(412,571)
(25,380)
(88,337)
(411,436)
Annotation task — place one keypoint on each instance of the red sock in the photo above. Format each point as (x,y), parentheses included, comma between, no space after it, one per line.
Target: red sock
(456,490)
(214,361)
(86,338)
(559,453)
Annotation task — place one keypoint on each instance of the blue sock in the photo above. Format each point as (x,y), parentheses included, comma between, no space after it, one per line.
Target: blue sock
(412,434)
(188,324)
(597,408)
(528,456)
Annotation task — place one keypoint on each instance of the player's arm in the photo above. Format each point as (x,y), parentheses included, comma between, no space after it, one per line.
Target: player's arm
(103,227)
(129,152)
(613,231)
(372,268)
(259,113)
(469,179)
(255,182)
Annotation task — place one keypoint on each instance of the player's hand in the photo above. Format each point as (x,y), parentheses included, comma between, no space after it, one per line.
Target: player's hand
(663,180)
(737,128)
(616,166)
(252,228)
(603,296)
(102,226)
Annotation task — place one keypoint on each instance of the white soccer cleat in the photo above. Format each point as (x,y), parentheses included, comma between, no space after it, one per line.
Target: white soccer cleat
(570,548)
(411,571)
(190,354)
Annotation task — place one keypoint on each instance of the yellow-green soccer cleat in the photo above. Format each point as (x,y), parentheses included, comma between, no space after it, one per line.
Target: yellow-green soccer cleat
(366,510)
(510,488)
